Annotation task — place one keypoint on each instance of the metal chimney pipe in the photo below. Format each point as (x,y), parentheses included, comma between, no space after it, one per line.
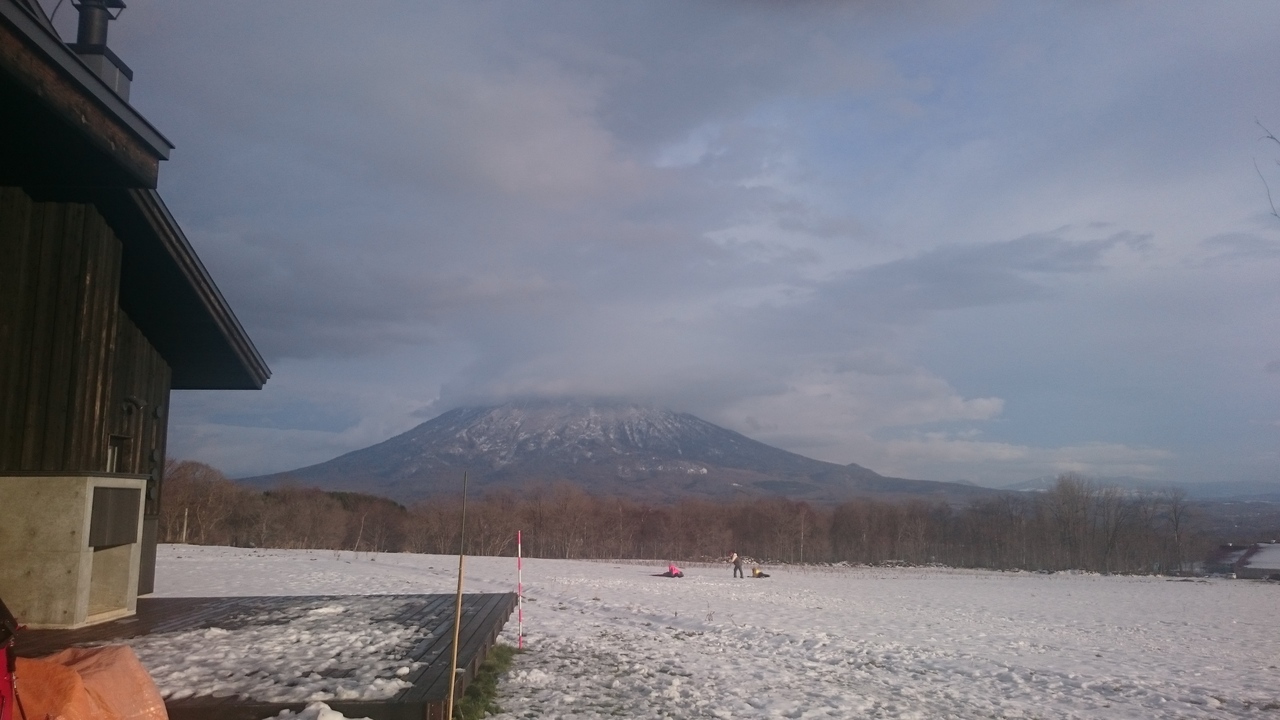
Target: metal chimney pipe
(94,17)
(91,44)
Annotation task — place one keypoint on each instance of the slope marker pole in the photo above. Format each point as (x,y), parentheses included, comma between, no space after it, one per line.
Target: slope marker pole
(457,609)
(519,592)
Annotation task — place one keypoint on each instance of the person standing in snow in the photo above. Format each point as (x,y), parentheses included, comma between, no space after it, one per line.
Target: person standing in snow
(737,565)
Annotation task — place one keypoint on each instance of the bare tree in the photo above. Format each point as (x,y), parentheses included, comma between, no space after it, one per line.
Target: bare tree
(200,493)
(1267,135)
(1176,510)
(1113,514)
(1073,525)
(1070,502)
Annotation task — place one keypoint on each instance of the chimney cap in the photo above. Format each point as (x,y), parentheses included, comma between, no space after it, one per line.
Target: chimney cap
(91,43)
(115,4)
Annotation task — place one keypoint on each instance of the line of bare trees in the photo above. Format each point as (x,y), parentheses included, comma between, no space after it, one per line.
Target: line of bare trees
(1075,525)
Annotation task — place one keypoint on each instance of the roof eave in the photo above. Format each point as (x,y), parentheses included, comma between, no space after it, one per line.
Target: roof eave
(252,369)
(39,60)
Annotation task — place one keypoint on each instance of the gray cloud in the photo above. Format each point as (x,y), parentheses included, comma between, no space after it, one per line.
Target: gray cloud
(865,230)
(1236,247)
(956,277)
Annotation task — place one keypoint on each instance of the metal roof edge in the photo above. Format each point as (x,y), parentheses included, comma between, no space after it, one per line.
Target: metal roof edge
(175,242)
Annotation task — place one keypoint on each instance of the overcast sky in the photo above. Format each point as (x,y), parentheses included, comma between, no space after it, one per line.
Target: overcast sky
(987,241)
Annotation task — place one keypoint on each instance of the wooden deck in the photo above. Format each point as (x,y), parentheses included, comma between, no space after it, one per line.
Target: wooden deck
(483,616)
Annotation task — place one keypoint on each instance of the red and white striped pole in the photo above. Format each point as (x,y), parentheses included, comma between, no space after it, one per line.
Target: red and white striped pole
(519,591)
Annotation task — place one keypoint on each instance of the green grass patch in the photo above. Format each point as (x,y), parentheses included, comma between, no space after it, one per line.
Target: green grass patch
(477,701)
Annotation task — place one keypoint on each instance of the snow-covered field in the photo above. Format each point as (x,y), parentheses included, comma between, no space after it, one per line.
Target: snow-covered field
(611,640)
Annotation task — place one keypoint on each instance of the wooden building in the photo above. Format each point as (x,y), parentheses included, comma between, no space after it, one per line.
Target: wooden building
(104,308)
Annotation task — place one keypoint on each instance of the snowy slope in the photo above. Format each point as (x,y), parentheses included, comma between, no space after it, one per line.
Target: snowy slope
(610,640)
(1265,558)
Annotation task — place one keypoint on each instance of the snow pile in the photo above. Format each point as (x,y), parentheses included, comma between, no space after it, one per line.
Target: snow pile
(610,640)
(314,711)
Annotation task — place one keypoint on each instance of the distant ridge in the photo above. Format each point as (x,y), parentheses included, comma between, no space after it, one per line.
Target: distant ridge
(605,447)
(1227,490)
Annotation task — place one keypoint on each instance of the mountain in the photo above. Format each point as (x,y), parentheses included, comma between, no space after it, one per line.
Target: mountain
(606,448)
(1256,491)
(1130,484)
(1223,491)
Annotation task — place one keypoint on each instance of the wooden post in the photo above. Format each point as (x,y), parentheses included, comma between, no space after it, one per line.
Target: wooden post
(802,537)
(359,535)
(519,592)
(457,611)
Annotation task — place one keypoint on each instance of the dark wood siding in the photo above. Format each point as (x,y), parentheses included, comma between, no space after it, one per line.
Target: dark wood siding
(59,307)
(15,332)
(74,370)
(139,407)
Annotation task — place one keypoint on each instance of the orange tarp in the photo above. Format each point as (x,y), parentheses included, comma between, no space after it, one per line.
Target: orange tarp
(103,683)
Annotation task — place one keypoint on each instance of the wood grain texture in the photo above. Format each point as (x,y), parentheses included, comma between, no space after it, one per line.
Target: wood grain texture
(74,370)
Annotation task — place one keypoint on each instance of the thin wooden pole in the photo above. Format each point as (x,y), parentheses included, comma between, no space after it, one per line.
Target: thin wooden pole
(457,609)
(519,591)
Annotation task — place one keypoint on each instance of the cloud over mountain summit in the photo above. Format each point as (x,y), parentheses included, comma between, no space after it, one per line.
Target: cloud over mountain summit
(991,241)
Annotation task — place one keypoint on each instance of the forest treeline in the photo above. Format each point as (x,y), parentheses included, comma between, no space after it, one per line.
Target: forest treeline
(1074,525)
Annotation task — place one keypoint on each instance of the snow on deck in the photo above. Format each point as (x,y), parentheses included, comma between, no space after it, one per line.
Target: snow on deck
(610,640)
(330,649)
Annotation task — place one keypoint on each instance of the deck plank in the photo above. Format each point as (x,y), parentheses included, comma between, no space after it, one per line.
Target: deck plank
(432,687)
(483,616)
(473,645)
